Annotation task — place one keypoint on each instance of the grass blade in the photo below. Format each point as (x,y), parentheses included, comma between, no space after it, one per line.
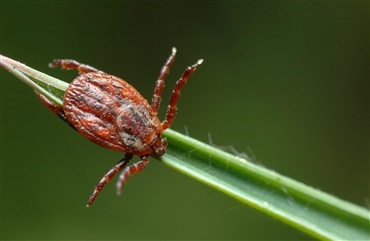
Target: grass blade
(318,214)
(310,210)
(49,86)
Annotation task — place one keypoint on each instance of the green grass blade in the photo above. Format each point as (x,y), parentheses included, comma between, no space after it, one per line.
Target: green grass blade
(49,86)
(319,214)
(310,210)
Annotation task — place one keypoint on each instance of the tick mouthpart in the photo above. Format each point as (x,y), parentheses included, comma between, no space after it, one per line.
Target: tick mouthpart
(158,146)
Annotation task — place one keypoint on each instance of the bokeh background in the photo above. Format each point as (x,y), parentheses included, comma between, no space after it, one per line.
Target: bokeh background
(286,83)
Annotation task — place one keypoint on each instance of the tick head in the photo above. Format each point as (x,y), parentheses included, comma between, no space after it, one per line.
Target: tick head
(158,146)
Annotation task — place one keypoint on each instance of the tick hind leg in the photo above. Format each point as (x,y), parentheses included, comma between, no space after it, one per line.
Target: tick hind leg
(108,176)
(55,108)
(72,64)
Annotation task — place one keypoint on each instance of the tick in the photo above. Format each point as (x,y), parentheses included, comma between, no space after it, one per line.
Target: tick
(111,113)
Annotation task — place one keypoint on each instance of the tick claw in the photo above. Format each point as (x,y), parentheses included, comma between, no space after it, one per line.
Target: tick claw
(119,188)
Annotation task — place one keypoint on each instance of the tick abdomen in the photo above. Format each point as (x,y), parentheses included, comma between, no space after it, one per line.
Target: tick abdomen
(94,101)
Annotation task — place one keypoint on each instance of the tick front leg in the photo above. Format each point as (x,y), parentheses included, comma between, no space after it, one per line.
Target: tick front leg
(156,101)
(129,171)
(72,64)
(172,107)
(107,177)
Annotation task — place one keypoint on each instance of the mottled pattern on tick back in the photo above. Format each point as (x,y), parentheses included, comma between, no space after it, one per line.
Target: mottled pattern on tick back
(111,113)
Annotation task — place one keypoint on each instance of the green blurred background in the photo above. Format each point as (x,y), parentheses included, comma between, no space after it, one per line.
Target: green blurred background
(285,82)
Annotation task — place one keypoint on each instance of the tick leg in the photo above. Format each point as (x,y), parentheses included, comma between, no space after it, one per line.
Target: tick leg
(156,100)
(129,171)
(56,109)
(108,176)
(72,64)
(172,107)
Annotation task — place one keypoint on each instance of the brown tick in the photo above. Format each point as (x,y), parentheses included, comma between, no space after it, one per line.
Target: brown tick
(111,113)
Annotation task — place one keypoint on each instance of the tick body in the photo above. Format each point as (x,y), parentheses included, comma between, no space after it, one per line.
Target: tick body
(111,113)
